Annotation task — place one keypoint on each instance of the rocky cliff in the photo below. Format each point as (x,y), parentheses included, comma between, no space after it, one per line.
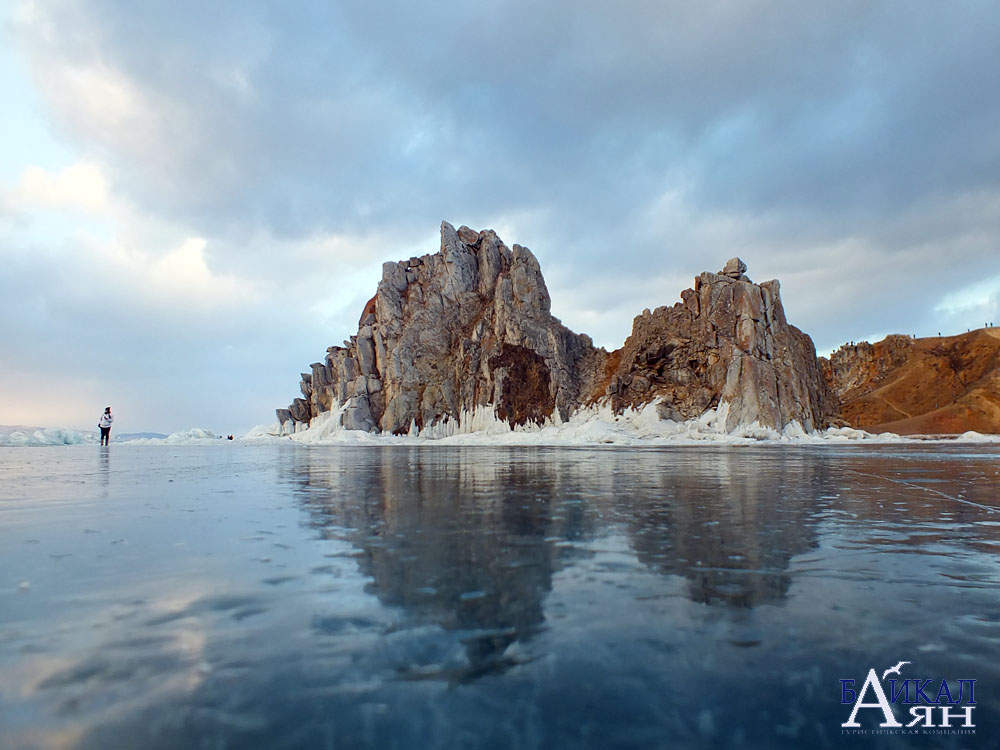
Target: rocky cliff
(728,342)
(469,330)
(932,385)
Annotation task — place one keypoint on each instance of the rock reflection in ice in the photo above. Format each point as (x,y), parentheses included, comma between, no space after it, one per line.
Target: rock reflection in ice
(432,596)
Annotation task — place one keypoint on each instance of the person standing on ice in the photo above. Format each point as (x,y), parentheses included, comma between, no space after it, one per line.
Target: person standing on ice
(105,425)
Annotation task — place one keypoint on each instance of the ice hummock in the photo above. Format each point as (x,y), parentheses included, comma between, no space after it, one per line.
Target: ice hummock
(595,425)
(194,436)
(21,435)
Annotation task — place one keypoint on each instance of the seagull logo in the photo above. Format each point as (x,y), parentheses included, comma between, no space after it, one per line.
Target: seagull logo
(914,703)
(894,670)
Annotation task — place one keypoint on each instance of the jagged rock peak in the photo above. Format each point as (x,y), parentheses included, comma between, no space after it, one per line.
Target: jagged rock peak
(447,334)
(727,342)
(469,328)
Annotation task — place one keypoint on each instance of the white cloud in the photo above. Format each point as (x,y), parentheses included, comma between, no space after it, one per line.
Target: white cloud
(176,281)
(152,262)
(184,272)
(79,187)
(982,295)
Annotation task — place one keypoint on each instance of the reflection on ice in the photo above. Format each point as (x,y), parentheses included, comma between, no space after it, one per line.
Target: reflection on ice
(731,532)
(464,545)
(433,529)
(425,596)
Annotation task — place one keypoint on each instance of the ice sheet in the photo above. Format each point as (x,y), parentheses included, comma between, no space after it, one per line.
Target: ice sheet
(279,596)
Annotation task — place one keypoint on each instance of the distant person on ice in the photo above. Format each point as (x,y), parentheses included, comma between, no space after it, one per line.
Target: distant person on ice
(105,425)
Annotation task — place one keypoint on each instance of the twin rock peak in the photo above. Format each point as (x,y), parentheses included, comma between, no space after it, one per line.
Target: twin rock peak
(469,329)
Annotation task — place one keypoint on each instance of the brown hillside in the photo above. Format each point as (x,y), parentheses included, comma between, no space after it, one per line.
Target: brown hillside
(908,386)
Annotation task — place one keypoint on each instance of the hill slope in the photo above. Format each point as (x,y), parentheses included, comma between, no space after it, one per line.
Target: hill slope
(933,385)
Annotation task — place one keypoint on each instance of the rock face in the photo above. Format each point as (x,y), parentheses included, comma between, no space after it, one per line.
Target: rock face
(726,342)
(929,386)
(466,327)
(469,328)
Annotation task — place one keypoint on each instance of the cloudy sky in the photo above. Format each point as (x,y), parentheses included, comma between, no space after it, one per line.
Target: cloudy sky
(196,198)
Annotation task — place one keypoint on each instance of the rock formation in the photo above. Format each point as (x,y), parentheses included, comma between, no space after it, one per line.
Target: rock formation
(469,328)
(466,327)
(726,342)
(929,386)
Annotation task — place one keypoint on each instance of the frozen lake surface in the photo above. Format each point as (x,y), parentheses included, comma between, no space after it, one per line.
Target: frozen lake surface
(294,596)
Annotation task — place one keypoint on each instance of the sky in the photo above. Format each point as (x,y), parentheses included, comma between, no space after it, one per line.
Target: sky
(196,198)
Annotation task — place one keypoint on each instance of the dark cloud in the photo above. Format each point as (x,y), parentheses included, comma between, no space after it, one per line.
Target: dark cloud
(337,115)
